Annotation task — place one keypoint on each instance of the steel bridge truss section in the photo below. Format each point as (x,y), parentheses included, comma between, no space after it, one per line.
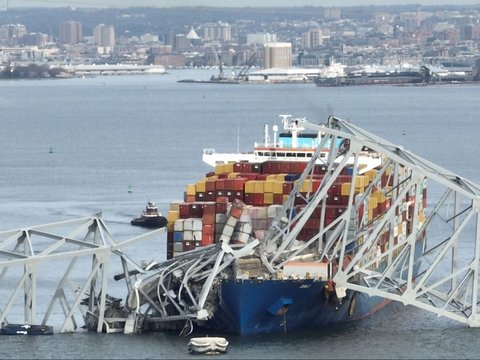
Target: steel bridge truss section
(66,265)
(421,253)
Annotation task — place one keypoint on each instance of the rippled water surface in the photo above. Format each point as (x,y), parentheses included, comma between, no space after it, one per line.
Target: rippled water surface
(146,133)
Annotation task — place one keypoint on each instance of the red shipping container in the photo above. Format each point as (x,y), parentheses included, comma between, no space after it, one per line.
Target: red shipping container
(220,193)
(335,189)
(207,240)
(238,167)
(210,185)
(210,196)
(287,187)
(249,176)
(278,199)
(222,176)
(188,198)
(207,229)
(188,245)
(248,198)
(256,168)
(236,212)
(228,184)
(208,219)
(208,208)
(238,195)
(184,210)
(238,184)
(262,177)
(333,200)
(258,200)
(199,196)
(195,210)
(220,207)
(220,184)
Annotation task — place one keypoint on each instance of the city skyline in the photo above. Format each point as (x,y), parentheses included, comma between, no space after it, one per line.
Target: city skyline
(227,3)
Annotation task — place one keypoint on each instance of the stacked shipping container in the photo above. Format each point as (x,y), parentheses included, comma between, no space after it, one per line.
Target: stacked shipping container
(252,194)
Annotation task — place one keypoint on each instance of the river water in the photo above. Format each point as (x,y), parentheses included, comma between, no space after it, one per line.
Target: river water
(145,134)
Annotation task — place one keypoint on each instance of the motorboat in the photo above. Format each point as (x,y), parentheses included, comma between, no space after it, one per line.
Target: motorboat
(208,345)
(26,329)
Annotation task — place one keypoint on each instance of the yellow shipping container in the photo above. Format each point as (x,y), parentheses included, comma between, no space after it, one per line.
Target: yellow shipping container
(250,186)
(268,186)
(191,189)
(306,186)
(371,174)
(278,187)
(372,202)
(268,198)
(200,186)
(271,177)
(175,205)
(345,189)
(259,184)
(370,214)
(233,175)
(219,169)
(228,168)
(380,195)
(170,226)
(361,181)
(173,215)
(285,198)
(280,177)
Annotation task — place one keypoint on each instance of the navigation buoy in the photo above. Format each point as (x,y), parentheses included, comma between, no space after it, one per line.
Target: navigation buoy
(130,190)
(50,151)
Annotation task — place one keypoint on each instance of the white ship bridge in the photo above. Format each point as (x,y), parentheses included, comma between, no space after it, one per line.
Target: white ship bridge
(430,259)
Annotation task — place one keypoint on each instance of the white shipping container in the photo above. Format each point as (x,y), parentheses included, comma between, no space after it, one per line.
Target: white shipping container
(232,221)
(228,230)
(188,235)
(178,225)
(197,224)
(273,210)
(197,235)
(188,225)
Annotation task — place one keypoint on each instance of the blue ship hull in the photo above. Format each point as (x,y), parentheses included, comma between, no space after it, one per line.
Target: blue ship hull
(266,306)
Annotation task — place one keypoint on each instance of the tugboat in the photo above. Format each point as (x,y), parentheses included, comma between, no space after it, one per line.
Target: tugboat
(150,218)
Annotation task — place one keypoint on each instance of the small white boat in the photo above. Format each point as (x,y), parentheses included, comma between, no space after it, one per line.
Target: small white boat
(208,345)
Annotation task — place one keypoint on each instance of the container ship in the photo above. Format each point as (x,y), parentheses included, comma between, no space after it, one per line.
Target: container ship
(260,243)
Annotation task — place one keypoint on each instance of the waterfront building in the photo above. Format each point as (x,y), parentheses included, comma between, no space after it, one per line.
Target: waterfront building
(278,55)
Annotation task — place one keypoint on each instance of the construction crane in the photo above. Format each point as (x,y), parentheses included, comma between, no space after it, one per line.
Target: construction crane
(246,68)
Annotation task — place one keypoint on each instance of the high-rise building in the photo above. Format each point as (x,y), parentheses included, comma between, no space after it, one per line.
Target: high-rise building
(277,54)
(12,34)
(217,31)
(104,35)
(312,39)
(70,32)
(261,38)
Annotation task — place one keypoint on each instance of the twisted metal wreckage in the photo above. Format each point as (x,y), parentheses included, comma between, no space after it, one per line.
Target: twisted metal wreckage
(185,289)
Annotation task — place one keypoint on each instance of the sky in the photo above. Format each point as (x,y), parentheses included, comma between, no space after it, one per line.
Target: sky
(225,3)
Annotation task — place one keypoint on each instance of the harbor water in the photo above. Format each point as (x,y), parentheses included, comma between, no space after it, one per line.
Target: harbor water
(71,148)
